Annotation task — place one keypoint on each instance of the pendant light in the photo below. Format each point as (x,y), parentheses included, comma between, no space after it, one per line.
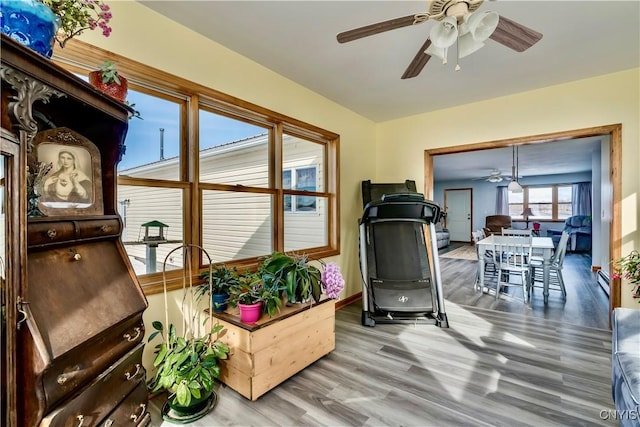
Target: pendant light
(514,186)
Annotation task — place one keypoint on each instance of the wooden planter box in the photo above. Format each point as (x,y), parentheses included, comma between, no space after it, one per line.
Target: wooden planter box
(265,354)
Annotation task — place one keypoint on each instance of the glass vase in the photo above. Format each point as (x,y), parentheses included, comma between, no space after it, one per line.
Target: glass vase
(30,23)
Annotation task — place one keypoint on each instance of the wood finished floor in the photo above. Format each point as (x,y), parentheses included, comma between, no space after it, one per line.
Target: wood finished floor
(490,368)
(586,304)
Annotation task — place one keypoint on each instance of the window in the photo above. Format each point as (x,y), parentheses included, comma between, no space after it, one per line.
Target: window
(299,179)
(234,178)
(540,201)
(547,202)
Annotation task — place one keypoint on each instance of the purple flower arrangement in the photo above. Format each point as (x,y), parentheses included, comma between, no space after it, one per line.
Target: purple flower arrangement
(332,280)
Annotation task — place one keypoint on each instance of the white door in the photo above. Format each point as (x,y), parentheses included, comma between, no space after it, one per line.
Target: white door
(458,208)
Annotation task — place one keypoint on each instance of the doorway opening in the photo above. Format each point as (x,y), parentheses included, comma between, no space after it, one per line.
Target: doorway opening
(614,134)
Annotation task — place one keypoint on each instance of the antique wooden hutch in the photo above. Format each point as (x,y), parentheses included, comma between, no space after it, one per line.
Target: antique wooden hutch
(72,324)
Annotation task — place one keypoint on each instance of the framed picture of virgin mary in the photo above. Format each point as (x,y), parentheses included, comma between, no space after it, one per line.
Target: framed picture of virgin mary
(73,185)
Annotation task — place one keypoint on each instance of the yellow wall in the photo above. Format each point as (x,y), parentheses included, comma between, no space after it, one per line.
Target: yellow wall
(604,100)
(143,35)
(147,37)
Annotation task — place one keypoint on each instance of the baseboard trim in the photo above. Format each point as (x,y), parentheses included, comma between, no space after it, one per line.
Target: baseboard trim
(349,300)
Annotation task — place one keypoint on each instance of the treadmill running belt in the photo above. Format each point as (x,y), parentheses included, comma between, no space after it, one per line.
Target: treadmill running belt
(404,256)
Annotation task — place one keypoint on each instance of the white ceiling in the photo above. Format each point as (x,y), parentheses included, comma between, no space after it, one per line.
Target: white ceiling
(297,39)
(550,158)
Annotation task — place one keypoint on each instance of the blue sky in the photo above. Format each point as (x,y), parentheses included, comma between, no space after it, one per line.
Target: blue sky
(143,136)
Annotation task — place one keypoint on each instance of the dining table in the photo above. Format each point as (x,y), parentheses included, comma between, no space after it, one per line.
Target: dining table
(540,246)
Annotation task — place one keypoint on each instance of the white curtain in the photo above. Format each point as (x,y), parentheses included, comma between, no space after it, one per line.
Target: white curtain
(502,200)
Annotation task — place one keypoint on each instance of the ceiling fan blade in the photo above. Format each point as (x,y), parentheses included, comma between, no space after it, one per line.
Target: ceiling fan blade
(418,62)
(515,36)
(379,27)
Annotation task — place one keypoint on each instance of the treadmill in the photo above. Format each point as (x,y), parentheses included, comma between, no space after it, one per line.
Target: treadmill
(398,258)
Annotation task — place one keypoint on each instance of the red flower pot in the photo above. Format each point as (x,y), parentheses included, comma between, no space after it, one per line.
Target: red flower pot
(117,91)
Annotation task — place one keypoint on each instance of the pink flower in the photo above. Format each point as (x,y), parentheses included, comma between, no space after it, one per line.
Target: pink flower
(79,15)
(332,280)
(615,276)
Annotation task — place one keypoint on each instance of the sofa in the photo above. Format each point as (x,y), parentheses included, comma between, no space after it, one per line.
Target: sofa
(579,229)
(625,365)
(442,236)
(493,224)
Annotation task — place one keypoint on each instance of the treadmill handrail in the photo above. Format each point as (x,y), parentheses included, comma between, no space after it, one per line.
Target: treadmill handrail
(403,199)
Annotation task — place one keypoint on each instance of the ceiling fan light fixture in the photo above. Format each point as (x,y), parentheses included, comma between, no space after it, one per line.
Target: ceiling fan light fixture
(495,178)
(482,24)
(437,52)
(444,33)
(468,45)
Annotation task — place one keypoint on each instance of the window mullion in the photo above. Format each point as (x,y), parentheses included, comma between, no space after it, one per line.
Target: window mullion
(554,202)
(276,155)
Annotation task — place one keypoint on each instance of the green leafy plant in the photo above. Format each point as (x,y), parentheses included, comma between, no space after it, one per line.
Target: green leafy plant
(135,113)
(109,73)
(300,279)
(187,366)
(252,289)
(79,15)
(218,281)
(628,267)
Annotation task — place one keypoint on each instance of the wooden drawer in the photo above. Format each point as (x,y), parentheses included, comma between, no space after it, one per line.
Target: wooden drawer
(99,398)
(99,228)
(72,293)
(78,367)
(46,232)
(131,411)
(43,233)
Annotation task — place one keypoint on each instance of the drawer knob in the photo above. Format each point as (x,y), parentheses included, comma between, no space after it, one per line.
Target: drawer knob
(52,233)
(108,423)
(137,418)
(105,228)
(62,379)
(77,257)
(129,376)
(80,419)
(130,337)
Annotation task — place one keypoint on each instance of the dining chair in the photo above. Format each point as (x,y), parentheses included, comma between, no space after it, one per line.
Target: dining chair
(556,280)
(511,259)
(516,232)
(489,267)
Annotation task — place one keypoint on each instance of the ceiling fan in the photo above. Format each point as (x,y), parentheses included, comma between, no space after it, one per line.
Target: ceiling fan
(494,176)
(458,22)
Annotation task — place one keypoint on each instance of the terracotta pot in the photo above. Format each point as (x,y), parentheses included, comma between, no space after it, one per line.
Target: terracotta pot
(114,90)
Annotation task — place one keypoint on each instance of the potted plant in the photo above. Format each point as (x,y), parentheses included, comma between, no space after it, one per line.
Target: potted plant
(76,16)
(252,295)
(107,79)
(187,363)
(300,279)
(217,281)
(628,267)
(187,366)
